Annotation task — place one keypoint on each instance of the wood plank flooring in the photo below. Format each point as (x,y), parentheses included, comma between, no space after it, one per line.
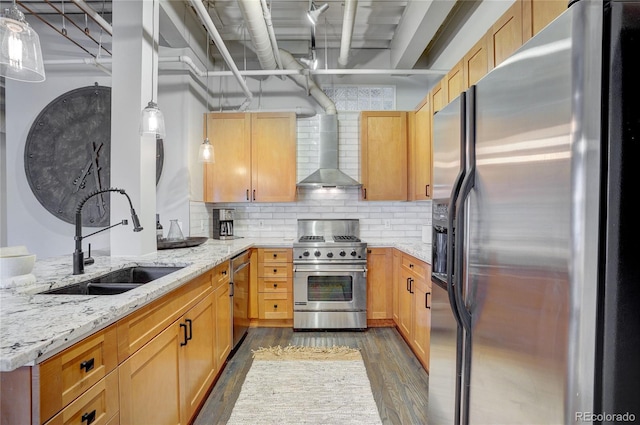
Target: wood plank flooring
(398,381)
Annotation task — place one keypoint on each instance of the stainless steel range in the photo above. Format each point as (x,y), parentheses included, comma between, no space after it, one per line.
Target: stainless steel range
(330,276)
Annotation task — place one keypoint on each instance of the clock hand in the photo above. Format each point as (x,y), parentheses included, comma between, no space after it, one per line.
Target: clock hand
(96,176)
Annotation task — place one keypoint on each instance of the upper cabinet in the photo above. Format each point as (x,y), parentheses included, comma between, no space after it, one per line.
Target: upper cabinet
(255,156)
(438,97)
(505,36)
(420,153)
(537,14)
(476,62)
(383,140)
(454,82)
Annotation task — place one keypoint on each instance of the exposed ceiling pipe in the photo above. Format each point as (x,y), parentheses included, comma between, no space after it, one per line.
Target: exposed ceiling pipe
(94,15)
(348,21)
(254,18)
(272,34)
(289,62)
(201,11)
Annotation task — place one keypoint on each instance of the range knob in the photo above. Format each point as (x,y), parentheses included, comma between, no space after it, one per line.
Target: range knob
(330,254)
(317,253)
(353,253)
(306,253)
(342,253)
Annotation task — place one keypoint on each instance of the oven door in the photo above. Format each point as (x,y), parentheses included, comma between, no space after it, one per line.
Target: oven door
(330,287)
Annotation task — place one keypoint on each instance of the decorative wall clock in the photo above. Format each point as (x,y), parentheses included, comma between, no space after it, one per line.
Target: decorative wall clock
(68,154)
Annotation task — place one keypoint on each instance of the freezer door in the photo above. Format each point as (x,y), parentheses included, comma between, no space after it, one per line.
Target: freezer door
(519,238)
(446,148)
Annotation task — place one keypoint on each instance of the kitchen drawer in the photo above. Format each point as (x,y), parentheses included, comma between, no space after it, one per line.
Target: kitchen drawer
(275,284)
(221,274)
(416,266)
(275,305)
(65,376)
(97,406)
(140,327)
(275,270)
(275,255)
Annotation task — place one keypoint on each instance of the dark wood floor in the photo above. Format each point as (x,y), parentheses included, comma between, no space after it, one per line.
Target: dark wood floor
(398,381)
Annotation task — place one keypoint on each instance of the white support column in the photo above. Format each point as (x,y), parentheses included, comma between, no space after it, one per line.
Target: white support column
(133,165)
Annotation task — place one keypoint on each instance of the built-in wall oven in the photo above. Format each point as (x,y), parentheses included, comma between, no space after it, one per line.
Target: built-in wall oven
(330,276)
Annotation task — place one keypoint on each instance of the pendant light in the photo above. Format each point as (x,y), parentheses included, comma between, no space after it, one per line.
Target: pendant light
(20,52)
(152,120)
(205,154)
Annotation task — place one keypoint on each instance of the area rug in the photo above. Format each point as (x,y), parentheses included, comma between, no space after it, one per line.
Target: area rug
(306,385)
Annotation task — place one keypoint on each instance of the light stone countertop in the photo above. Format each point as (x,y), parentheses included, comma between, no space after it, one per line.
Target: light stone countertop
(34,327)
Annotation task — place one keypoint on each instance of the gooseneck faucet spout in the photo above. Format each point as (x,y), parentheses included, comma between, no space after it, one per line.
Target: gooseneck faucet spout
(78,255)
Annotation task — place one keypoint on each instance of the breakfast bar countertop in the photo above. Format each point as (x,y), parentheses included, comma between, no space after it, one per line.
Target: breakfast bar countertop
(34,326)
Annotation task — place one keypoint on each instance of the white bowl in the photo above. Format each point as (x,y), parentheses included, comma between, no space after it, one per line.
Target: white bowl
(16,265)
(12,251)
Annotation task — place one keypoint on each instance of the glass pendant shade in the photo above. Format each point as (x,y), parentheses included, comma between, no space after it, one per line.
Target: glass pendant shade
(152,121)
(20,52)
(205,153)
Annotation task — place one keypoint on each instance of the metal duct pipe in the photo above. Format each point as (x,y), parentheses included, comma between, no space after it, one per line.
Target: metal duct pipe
(348,21)
(289,62)
(254,18)
(215,35)
(272,34)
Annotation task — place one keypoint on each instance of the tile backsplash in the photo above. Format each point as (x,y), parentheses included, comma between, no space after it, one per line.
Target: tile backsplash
(378,220)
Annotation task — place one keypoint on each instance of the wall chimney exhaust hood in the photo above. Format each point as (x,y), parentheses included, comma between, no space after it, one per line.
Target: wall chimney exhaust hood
(328,174)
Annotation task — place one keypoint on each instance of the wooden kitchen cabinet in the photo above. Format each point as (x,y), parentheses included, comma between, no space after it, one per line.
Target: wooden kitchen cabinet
(383,140)
(454,81)
(255,156)
(414,304)
(505,36)
(438,97)
(379,285)
(476,62)
(537,14)
(223,317)
(275,284)
(420,149)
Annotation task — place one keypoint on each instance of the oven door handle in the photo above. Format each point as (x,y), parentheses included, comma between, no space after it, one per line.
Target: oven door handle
(324,270)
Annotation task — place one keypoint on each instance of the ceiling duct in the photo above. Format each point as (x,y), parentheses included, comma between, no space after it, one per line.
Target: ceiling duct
(348,21)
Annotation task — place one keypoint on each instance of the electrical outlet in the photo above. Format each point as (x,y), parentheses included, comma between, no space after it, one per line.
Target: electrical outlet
(261,224)
(387,224)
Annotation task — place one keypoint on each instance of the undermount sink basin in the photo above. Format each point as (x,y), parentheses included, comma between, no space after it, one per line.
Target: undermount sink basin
(115,282)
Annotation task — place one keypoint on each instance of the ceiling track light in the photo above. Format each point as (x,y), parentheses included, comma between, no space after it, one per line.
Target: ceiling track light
(20,52)
(314,13)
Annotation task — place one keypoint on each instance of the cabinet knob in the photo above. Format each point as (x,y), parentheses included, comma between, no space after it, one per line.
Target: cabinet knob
(275,306)
(87,365)
(275,255)
(224,272)
(89,417)
(275,270)
(275,285)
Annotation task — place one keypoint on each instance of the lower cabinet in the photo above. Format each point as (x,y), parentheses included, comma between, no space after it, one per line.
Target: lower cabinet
(413,296)
(379,284)
(275,284)
(224,324)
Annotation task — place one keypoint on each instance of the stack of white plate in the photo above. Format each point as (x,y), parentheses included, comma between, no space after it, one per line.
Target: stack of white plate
(16,265)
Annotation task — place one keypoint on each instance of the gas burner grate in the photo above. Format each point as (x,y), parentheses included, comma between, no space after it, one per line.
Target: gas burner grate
(345,238)
(311,239)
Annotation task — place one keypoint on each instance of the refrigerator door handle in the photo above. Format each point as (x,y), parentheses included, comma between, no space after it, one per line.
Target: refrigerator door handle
(465,190)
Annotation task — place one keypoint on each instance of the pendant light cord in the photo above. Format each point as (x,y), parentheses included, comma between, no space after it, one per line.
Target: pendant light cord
(153,42)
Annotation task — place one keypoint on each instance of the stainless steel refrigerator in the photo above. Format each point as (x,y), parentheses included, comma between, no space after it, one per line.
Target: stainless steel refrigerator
(536,270)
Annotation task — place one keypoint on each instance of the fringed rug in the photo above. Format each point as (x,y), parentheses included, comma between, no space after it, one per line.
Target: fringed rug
(306,385)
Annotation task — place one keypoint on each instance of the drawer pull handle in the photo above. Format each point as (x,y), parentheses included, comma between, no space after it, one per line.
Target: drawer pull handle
(426,300)
(183,343)
(275,270)
(89,417)
(275,306)
(190,322)
(224,272)
(275,285)
(275,255)
(87,365)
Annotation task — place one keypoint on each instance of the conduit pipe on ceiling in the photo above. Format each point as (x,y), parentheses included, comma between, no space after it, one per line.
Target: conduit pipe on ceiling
(222,48)
(348,21)
(94,15)
(272,34)
(289,62)
(253,16)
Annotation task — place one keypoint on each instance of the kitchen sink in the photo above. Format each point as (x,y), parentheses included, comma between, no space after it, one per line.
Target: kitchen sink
(115,282)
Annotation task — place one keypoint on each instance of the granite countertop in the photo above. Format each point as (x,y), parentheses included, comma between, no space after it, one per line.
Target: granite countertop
(34,327)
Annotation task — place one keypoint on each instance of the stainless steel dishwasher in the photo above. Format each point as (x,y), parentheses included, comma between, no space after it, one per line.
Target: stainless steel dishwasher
(240,295)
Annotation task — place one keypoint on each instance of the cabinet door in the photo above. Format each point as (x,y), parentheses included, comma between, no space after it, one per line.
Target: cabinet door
(223,325)
(438,98)
(397,262)
(405,304)
(229,178)
(383,139)
(150,381)
(420,155)
(476,63)
(537,14)
(199,360)
(505,36)
(421,319)
(273,153)
(455,82)
(379,283)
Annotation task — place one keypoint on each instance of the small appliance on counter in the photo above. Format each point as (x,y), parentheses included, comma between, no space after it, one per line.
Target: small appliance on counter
(223,223)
